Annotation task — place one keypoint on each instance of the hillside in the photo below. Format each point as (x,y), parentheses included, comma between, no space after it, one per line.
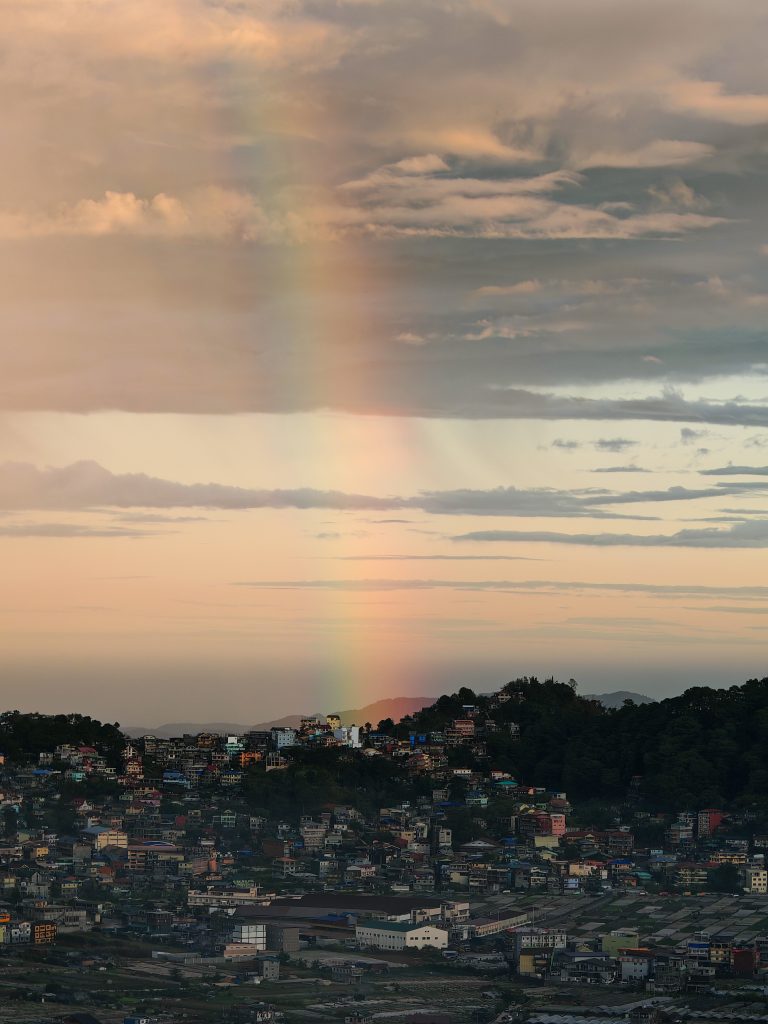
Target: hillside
(706,747)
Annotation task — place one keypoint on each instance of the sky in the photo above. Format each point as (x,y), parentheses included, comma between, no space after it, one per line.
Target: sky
(367,348)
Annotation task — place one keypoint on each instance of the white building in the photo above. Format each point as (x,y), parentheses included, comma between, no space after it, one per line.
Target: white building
(394,935)
(284,737)
(349,735)
(250,934)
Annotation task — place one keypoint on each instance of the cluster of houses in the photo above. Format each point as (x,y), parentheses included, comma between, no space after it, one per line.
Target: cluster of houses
(620,957)
(165,844)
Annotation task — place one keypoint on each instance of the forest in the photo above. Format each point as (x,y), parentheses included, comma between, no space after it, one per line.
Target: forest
(706,747)
(23,736)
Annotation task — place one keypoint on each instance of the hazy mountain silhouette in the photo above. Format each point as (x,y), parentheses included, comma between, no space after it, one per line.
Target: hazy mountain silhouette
(391,707)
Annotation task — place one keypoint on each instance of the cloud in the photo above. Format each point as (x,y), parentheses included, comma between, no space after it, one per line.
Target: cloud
(688,435)
(512,501)
(614,445)
(529,287)
(670,406)
(753,534)
(710,100)
(153,517)
(659,153)
(70,530)
(677,195)
(620,469)
(675,493)
(212,212)
(436,558)
(735,471)
(186,35)
(673,591)
(88,485)
(388,204)
(427,164)
(139,162)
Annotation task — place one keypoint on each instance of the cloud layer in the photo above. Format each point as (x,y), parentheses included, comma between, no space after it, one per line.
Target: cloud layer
(414,210)
(753,534)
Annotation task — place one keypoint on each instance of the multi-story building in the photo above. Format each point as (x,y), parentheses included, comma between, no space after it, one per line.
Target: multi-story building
(691,876)
(43,933)
(755,880)
(532,949)
(708,821)
(251,934)
(100,837)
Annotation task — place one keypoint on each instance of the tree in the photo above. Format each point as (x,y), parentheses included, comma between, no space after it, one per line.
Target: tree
(724,878)
(10,819)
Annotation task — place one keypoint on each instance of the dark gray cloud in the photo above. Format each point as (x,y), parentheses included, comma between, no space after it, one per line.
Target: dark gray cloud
(621,469)
(736,471)
(512,501)
(87,485)
(752,534)
(688,435)
(615,445)
(676,493)
(564,445)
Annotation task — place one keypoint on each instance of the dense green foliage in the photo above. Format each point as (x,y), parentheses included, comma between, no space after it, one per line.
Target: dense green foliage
(316,778)
(24,736)
(704,748)
(725,878)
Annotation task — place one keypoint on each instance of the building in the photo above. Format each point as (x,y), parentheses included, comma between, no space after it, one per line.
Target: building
(533,949)
(482,927)
(691,876)
(755,879)
(584,967)
(282,938)
(708,821)
(100,837)
(283,737)
(250,933)
(42,933)
(394,935)
(635,966)
(227,897)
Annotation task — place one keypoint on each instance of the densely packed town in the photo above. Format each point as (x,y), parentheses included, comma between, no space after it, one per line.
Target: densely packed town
(193,862)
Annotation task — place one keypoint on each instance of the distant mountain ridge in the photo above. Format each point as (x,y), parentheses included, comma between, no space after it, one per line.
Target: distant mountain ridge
(617,698)
(391,707)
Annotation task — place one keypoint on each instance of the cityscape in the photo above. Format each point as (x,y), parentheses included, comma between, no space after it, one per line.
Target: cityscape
(383,512)
(401,871)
